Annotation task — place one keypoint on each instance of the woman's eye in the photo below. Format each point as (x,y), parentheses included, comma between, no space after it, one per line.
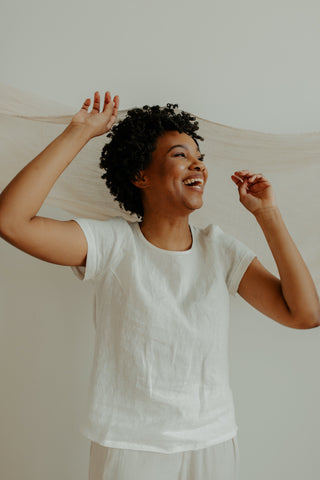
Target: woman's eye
(200,158)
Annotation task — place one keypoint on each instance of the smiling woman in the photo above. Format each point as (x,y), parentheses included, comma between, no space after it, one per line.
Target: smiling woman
(143,140)
(159,381)
(152,153)
(171,186)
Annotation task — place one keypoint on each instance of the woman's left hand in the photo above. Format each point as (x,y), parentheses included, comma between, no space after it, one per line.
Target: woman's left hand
(255,192)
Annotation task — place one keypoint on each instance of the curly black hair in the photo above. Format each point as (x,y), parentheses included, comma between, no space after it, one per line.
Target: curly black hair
(133,140)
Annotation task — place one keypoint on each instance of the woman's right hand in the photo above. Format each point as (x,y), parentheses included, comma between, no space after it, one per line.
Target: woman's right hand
(95,121)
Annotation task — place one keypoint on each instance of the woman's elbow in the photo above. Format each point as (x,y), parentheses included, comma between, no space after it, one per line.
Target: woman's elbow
(310,321)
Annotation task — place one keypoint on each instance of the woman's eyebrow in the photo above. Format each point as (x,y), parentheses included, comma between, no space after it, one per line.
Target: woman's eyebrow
(183,146)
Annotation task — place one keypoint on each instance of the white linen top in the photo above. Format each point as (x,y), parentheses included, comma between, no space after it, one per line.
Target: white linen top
(160,373)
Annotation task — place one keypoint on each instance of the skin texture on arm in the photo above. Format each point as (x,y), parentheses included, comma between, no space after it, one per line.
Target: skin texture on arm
(291,300)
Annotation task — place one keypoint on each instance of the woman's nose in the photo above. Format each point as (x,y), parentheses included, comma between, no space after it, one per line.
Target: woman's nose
(198,165)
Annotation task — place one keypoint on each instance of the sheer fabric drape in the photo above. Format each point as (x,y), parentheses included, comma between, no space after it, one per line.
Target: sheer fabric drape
(291,162)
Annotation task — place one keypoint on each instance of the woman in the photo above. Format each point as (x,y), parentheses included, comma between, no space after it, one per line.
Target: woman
(159,403)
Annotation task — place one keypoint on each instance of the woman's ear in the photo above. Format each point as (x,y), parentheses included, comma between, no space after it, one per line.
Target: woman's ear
(140,180)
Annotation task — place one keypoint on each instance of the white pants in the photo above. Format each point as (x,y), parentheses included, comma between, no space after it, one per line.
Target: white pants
(219,462)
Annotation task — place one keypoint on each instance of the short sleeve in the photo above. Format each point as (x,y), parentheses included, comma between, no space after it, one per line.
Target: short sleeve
(103,238)
(235,257)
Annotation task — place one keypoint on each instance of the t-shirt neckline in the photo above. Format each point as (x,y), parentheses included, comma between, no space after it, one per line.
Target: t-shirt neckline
(162,250)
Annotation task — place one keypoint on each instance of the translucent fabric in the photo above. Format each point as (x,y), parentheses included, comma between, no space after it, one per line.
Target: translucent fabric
(291,162)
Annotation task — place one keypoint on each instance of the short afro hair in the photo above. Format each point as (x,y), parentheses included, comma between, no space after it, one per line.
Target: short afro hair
(133,140)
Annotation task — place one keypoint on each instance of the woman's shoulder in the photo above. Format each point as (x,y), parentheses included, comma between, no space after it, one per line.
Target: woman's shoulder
(213,235)
(207,231)
(115,228)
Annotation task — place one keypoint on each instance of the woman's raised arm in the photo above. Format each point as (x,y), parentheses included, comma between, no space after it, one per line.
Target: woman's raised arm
(60,242)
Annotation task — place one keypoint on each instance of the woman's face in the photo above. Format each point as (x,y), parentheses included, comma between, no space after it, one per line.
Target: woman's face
(167,180)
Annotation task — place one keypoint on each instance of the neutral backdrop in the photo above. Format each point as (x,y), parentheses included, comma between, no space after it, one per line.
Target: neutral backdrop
(249,64)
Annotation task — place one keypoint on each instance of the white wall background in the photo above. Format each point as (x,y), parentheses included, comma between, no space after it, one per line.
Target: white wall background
(249,64)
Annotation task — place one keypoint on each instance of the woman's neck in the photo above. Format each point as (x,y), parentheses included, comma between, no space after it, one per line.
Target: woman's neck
(167,233)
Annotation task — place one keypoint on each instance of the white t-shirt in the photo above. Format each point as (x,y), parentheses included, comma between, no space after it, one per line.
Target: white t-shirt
(160,374)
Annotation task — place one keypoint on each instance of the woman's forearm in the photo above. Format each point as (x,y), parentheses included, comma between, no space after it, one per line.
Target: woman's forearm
(297,285)
(23,197)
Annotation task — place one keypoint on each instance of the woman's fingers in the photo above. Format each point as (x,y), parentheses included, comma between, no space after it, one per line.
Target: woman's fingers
(86,104)
(236,179)
(107,99)
(107,105)
(108,102)
(243,173)
(114,112)
(249,176)
(116,101)
(96,102)
(256,178)
(116,106)
(248,181)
